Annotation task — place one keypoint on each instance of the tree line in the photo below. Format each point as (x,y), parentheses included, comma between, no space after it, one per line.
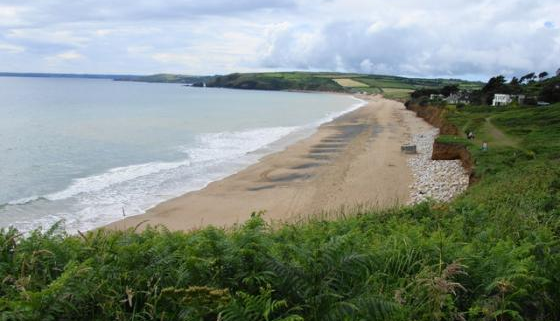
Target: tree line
(535,87)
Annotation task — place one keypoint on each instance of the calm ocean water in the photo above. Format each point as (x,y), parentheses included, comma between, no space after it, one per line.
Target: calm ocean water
(81,150)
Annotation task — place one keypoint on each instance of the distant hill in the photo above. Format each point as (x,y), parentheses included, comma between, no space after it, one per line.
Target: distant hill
(166,78)
(56,75)
(391,86)
(276,81)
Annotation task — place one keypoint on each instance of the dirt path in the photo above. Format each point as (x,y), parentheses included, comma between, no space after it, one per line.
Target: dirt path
(499,137)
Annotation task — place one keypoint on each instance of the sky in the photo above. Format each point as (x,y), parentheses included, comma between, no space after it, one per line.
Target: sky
(471,39)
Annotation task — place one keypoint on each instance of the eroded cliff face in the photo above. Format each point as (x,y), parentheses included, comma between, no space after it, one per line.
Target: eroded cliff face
(449,151)
(435,116)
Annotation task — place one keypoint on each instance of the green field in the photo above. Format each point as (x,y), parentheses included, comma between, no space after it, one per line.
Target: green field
(491,254)
(392,87)
(165,78)
(348,82)
(276,81)
(396,93)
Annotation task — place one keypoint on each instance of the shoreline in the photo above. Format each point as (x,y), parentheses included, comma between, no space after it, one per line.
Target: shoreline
(268,139)
(324,171)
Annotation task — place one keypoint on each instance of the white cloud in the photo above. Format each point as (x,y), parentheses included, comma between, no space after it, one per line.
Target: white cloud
(65,36)
(426,38)
(103,32)
(9,48)
(408,37)
(174,58)
(12,15)
(138,50)
(66,56)
(69,55)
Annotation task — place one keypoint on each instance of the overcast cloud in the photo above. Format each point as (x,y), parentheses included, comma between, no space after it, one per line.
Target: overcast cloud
(452,38)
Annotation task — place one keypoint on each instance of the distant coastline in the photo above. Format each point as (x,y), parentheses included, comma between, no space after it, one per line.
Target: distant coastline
(62,75)
(391,87)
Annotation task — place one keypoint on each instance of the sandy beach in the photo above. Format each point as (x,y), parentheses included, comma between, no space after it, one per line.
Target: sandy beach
(353,160)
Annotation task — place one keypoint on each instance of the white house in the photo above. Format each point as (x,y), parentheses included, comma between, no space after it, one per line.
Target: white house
(501,100)
(436,97)
(520,98)
(458,98)
(504,99)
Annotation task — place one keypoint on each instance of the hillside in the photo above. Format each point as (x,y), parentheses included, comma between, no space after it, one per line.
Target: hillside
(276,81)
(59,75)
(528,91)
(165,78)
(391,86)
(491,254)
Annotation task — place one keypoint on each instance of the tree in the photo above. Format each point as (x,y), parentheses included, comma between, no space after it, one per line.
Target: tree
(528,77)
(449,90)
(515,86)
(495,84)
(543,75)
(551,91)
(424,92)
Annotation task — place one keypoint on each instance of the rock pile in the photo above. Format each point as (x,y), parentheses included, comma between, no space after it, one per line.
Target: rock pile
(440,180)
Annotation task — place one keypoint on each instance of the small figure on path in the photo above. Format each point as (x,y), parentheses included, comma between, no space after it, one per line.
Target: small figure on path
(470,135)
(485,146)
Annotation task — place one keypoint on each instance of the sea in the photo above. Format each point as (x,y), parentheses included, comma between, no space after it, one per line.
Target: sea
(82,153)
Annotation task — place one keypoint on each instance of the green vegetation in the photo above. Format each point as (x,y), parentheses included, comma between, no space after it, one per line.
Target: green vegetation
(276,81)
(396,93)
(492,254)
(347,82)
(514,135)
(166,78)
(450,139)
(526,90)
(391,86)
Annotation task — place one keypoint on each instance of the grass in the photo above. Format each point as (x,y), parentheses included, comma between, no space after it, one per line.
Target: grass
(347,82)
(396,93)
(369,90)
(450,139)
(165,78)
(382,83)
(276,81)
(396,87)
(491,254)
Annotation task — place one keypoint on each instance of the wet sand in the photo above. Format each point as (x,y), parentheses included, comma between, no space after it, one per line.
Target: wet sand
(353,160)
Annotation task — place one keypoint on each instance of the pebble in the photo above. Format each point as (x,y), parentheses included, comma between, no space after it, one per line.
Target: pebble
(440,180)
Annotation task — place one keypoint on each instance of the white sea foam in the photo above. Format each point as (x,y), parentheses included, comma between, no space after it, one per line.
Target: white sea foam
(332,116)
(99,199)
(113,176)
(23,201)
(209,148)
(226,145)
